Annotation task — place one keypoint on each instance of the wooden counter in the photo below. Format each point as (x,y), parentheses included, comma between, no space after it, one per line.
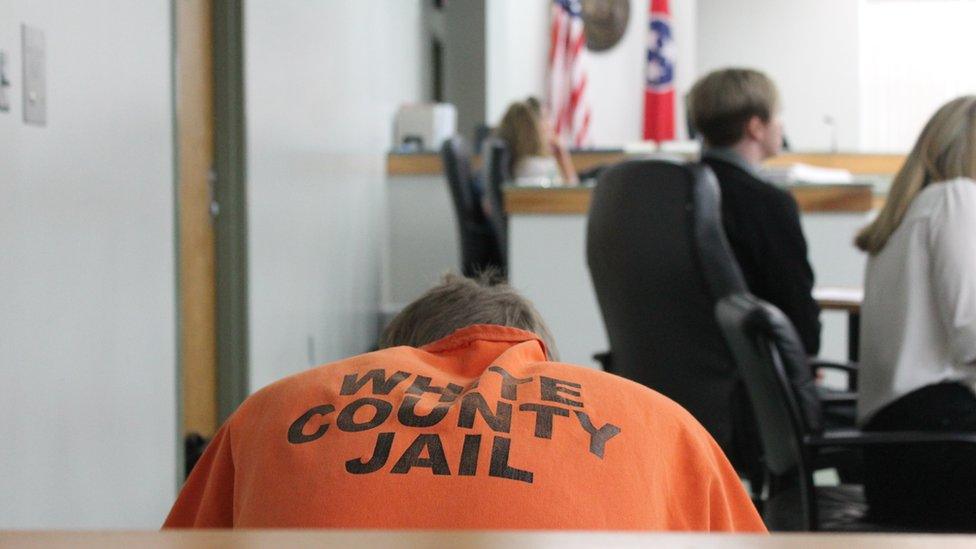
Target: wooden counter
(856,163)
(576,200)
(422,224)
(430,163)
(473,540)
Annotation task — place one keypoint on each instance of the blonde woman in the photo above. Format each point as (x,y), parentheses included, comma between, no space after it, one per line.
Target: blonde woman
(918,336)
(535,152)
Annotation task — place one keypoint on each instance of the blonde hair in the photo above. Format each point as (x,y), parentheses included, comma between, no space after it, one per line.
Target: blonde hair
(458,302)
(521,128)
(946,149)
(722,102)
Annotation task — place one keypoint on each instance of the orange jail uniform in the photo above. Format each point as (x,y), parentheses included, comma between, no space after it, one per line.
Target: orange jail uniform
(474,431)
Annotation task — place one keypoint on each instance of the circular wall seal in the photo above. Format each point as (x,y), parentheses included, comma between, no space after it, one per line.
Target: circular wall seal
(605,22)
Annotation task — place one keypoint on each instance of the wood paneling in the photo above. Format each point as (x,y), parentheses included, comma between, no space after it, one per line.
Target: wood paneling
(585,160)
(430,163)
(567,200)
(576,200)
(197,276)
(856,163)
(414,164)
(833,198)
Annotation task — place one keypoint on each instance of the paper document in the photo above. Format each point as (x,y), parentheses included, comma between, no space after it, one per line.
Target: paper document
(689,147)
(805,173)
(838,293)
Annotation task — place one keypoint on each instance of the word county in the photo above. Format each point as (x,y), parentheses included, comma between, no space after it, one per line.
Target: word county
(426,450)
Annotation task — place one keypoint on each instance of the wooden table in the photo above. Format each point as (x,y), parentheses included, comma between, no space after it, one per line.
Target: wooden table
(562,200)
(473,540)
(844,299)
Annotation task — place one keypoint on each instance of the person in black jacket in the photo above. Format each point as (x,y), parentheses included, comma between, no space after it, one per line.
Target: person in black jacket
(736,111)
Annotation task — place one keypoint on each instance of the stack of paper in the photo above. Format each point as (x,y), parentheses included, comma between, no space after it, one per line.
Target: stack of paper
(686,147)
(640,147)
(805,173)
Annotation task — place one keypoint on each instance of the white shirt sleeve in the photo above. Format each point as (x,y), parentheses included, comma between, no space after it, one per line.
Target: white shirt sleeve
(537,167)
(952,244)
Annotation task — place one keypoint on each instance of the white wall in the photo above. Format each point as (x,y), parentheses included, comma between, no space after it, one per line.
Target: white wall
(915,56)
(423,241)
(320,105)
(88,436)
(517,49)
(617,76)
(846,59)
(809,47)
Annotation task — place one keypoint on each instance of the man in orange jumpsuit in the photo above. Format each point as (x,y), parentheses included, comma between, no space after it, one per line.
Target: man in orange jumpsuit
(463,421)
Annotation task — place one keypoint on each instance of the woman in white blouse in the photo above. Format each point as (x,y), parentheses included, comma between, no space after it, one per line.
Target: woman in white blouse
(918,332)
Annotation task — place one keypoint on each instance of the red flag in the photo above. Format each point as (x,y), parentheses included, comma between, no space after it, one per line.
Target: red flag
(659,75)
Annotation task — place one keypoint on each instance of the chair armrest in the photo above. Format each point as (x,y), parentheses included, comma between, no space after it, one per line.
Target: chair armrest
(831,396)
(837,398)
(850,438)
(606,360)
(850,368)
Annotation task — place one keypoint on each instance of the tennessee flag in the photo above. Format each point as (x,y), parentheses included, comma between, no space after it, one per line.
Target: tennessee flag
(659,77)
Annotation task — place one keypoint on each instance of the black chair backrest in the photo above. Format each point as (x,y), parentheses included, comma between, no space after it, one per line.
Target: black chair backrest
(481,132)
(479,247)
(456,157)
(495,158)
(659,261)
(773,366)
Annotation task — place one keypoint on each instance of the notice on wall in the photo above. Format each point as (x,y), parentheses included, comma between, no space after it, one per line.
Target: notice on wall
(4,83)
(35,82)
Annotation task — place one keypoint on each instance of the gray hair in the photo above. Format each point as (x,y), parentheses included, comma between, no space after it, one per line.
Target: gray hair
(458,302)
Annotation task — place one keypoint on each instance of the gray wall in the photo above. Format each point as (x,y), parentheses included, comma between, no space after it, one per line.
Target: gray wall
(464,62)
(87,284)
(809,47)
(320,104)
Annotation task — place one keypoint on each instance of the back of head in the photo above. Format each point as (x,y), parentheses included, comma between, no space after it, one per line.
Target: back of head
(521,128)
(722,102)
(946,149)
(534,104)
(458,302)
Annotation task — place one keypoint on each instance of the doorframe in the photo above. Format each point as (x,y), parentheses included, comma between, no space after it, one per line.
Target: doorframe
(195,221)
(229,223)
(230,193)
(178,290)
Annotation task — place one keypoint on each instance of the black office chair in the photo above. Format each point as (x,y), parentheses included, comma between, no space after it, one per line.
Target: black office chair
(479,246)
(495,157)
(481,132)
(660,261)
(772,364)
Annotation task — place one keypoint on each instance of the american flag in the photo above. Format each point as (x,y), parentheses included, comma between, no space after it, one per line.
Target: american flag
(567,99)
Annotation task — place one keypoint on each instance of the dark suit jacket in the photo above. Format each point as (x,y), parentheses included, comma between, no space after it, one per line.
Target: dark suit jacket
(762,223)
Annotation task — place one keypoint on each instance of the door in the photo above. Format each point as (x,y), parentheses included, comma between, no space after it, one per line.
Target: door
(197,279)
